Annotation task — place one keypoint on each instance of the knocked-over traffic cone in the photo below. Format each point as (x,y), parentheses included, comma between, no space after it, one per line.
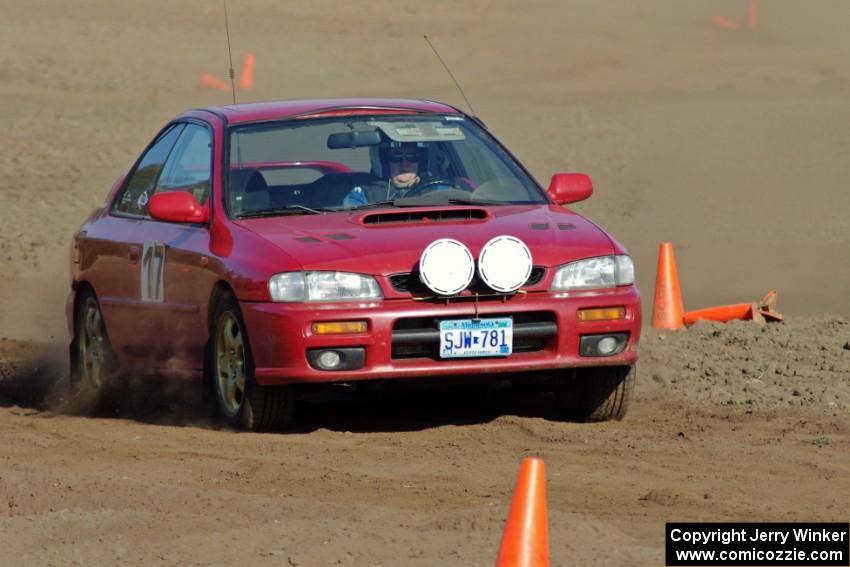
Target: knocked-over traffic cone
(213,82)
(525,542)
(667,309)
(762,312)
(725,23)
(721,313)
(767,308)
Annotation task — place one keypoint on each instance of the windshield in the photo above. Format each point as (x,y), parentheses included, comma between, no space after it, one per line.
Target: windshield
(346,163)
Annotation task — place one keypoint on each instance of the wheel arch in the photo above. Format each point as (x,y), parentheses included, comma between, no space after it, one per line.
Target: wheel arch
(77,291)
(220,290)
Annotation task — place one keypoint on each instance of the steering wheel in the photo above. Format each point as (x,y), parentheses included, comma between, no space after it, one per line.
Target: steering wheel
(428,186)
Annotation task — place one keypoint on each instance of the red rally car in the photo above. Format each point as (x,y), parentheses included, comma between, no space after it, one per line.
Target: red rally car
(259,247)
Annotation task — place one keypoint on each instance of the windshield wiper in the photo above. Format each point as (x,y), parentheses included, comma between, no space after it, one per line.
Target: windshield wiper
(426,202)
(374,205)
(402,202)
(456,201)
(287,210)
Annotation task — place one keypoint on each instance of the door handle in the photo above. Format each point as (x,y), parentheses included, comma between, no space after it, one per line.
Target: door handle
(135,254)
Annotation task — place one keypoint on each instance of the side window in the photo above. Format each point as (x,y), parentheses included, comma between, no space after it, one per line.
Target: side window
(137,192)
(188,166)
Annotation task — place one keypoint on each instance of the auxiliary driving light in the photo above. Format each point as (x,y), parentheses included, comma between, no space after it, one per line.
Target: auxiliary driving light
(339,327)
(504,263)
(446,266)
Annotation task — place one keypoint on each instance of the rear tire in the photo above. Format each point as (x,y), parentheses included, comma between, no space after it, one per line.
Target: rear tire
(596,394)
(239,400)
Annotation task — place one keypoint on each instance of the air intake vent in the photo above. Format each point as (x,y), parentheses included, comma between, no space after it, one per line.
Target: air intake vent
(444,215)
(410,283)
(536,276)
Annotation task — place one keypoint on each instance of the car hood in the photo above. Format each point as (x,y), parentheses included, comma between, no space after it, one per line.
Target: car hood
(390,241)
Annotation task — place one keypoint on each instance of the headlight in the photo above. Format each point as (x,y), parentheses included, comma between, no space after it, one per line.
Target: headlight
(323,286)
(605,271)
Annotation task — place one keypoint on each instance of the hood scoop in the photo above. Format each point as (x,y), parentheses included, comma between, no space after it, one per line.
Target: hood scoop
(424,216)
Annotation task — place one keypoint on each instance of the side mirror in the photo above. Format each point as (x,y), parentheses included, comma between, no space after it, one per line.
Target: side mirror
(178,206)
(569,188)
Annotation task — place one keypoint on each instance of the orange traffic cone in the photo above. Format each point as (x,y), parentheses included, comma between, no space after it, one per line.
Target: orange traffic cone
(213,82)
(246,80)
(720,314)
(725,23)
(525,542)
(753,17)
(667,309)
(767,307)
(764,311)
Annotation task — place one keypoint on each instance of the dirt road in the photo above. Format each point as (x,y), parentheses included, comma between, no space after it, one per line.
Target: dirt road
(731,144)
(736,423)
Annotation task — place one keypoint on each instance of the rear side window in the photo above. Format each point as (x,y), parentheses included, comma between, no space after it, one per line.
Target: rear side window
(137,192)
(188,166)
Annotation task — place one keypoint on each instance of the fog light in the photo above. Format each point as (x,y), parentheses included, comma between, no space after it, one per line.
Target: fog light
(329,359)
(607,346)
(337,358)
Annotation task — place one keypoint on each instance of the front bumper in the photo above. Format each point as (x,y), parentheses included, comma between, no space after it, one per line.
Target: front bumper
(280,335)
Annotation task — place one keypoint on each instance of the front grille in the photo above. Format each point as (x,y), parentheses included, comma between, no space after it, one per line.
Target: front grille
(409,282)
(419,337)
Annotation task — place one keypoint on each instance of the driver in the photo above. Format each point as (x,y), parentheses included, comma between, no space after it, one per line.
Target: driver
(401,162)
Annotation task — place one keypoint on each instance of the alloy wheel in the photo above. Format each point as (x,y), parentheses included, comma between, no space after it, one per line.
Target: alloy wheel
(230,364)
(92,345)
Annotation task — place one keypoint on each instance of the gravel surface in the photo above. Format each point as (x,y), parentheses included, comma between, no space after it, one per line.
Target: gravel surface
(732,145)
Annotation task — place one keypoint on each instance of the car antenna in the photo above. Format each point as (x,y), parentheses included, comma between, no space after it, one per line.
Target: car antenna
(446,67)
(229,54)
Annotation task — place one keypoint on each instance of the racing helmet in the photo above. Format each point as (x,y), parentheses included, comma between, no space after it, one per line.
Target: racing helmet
(383,153)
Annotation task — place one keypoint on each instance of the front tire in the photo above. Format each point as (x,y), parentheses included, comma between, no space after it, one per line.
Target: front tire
(240,401)
(596,394)
(92,359)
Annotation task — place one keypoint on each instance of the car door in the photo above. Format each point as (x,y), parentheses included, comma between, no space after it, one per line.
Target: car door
(175,283)
(114,244)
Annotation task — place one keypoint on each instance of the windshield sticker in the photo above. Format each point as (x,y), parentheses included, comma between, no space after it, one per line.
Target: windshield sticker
(409,131)
(446,131)
(420,131)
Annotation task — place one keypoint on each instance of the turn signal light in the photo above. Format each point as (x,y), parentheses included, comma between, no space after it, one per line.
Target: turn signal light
(339,327)
(604,314)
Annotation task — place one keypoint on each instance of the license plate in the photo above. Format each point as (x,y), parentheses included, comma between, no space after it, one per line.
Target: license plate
(468,338)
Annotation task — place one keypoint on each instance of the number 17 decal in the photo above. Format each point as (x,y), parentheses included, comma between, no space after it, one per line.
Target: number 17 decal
(153,269)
